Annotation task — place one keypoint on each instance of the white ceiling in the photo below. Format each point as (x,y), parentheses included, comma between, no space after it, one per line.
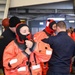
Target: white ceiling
(57,9)
(20,3)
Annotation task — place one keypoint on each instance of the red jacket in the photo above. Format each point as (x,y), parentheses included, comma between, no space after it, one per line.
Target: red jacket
(14,56)
(73,36)
(43,50)
(15,62)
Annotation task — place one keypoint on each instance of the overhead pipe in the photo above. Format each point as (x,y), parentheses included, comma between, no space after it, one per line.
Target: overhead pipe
(6,9)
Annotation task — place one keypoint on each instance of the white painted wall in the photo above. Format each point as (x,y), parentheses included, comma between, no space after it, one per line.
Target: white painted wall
(18,3)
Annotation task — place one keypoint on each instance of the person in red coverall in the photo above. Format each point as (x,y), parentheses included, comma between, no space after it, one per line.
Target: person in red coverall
(15,57)
(47,32)
(22,57)
(73,60)
(73,35)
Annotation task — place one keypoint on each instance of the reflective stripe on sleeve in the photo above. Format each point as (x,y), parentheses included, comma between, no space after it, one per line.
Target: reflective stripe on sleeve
(22,69)
(13,61)
(48,52)
(36,66)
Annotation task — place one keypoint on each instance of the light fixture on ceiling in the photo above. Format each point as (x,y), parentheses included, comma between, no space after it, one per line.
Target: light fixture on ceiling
(41,23)
(71,21)
(57,19)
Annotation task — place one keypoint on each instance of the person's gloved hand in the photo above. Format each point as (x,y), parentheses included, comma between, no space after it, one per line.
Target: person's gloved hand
(27,50)
(30,44)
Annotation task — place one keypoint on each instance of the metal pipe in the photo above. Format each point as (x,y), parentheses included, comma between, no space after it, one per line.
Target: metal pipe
(6,9)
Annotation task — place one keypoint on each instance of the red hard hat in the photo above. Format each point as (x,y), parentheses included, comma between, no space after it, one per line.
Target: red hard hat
(5,22)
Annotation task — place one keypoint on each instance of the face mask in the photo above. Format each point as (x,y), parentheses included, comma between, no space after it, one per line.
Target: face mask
(23,37)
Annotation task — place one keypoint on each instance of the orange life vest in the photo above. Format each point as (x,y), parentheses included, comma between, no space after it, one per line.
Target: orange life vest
(35,65)
(43,50)
(20,64)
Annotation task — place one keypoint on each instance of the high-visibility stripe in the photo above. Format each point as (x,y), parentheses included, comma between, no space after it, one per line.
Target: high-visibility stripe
(22,69)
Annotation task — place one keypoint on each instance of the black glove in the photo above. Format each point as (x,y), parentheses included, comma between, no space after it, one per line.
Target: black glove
(33,47)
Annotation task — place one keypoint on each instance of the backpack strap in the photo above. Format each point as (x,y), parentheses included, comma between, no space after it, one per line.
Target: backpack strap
(35,58)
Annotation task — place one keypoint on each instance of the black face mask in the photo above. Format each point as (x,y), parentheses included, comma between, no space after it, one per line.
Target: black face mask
(23,37)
